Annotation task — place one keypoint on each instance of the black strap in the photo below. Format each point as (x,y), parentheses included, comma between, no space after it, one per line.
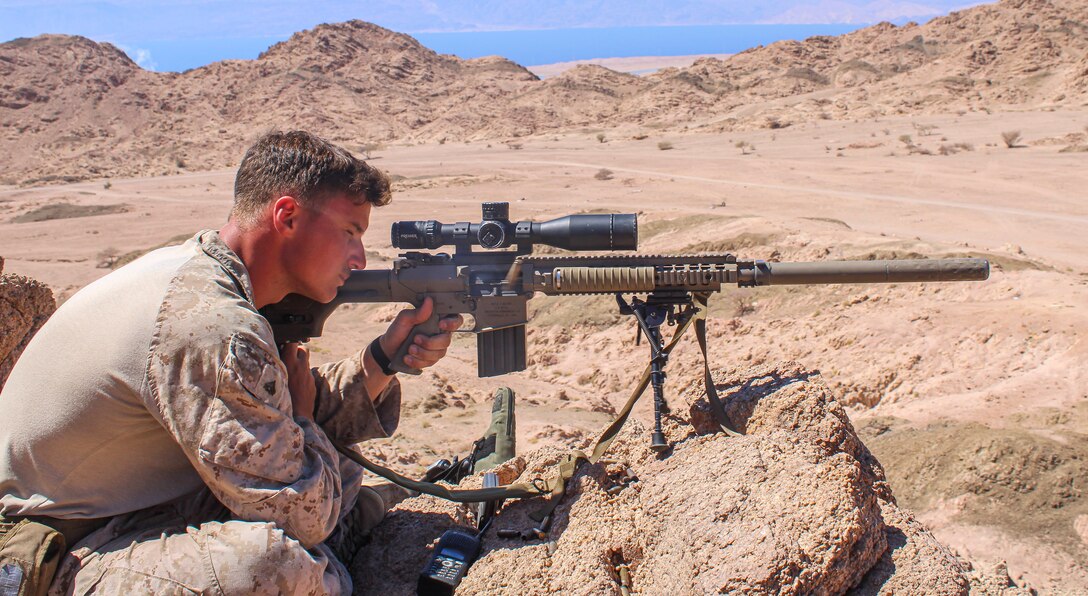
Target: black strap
(380,358)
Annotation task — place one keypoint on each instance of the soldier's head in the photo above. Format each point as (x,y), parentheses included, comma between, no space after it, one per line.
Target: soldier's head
(312,200)
(304,166)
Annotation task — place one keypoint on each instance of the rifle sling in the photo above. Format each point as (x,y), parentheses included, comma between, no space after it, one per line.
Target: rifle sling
(716,407)
(556,485)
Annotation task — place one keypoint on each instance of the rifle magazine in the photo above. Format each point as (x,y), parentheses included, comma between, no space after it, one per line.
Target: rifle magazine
(501,351)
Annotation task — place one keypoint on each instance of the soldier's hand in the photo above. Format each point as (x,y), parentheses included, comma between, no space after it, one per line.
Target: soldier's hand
(300,381)
(426,349)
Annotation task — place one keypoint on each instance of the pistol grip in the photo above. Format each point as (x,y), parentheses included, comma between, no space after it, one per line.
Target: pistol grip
(428,327)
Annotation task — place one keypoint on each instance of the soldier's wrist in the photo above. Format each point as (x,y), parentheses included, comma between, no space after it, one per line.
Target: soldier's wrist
(380,357)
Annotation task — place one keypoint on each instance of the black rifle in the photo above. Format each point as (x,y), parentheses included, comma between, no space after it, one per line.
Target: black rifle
(494,286)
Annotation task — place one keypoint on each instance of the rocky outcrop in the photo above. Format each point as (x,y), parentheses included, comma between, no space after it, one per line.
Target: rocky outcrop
(25,304)
(914,558)
(796,505)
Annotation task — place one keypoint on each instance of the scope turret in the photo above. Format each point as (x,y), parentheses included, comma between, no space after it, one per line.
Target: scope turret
(597,231)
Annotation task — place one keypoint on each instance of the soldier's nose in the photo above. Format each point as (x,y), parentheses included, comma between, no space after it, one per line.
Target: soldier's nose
(357,260)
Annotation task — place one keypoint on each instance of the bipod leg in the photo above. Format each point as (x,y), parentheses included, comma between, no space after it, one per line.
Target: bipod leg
(650,317)
(657,381)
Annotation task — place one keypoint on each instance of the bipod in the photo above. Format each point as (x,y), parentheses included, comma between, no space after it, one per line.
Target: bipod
(658,308)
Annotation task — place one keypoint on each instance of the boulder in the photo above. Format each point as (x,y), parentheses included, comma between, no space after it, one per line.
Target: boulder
(796,505)
(914,561)
(25,304)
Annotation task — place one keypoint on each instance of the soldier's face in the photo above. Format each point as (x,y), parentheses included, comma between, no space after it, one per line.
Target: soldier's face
(327,245)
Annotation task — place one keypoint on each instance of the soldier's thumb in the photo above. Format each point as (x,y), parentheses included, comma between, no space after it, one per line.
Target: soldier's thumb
(423,312)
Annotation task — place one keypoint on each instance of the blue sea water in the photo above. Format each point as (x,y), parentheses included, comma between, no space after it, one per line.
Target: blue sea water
(534,47)
(526,47)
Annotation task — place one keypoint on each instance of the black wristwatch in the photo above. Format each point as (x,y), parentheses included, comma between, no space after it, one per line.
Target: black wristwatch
(380,358)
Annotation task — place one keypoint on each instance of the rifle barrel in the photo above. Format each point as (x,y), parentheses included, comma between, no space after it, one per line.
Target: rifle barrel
(852,272)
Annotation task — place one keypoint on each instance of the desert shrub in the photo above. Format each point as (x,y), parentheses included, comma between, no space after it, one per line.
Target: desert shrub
(664,145)
(106,257)
(107,185)
(1010,138)
(743,305)
(924,130)
(600,137)
(906,140)
(744,147)
(603,174)
(514,146)
(950,149)
(368,149)
(640,137)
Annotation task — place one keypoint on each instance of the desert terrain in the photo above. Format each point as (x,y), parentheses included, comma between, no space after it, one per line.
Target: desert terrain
(965,136)
(973,395)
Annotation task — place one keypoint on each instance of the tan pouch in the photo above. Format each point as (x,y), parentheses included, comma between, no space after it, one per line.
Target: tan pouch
(29,555)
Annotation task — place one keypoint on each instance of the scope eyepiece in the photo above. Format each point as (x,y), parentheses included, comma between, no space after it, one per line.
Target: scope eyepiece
(597,231)
(417,234)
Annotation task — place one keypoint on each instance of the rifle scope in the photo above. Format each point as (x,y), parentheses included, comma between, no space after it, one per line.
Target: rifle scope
(606,231)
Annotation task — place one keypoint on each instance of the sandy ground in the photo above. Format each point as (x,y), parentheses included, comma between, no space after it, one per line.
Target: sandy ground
(1004,355)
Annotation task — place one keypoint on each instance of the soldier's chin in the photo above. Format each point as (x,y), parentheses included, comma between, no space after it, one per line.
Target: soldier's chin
(322,295)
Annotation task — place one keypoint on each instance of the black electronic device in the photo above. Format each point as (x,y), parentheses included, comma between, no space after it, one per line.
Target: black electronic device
(455,552)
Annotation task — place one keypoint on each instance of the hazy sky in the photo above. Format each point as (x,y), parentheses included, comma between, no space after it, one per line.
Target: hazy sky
(223,29)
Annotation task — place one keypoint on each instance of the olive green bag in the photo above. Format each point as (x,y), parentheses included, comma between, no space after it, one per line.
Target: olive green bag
(498,443)
(29,555)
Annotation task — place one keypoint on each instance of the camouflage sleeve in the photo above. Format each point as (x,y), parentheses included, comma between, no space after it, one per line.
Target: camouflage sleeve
(229,408)
(345,408)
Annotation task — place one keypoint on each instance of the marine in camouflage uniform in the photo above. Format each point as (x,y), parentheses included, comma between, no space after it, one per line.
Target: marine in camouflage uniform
(155,405)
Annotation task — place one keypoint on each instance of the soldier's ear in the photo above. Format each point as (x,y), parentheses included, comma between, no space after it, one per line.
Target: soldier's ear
(286,211)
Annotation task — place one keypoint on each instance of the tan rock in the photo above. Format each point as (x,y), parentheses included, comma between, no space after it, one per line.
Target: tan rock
(786,509)
(915,561)
(1080,525)
(25,304)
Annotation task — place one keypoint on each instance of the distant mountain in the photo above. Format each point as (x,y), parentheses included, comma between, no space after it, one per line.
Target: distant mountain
(841,11)
(71,108)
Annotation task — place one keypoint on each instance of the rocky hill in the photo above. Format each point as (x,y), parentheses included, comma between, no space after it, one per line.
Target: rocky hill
(71,108)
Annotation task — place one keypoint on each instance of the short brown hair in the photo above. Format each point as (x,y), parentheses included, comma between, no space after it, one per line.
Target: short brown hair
(307,167)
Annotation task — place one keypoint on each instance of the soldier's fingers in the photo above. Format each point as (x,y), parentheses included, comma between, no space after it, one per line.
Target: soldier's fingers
(421,353)
(451,322)
(439,341)
(420,361)
(289,351)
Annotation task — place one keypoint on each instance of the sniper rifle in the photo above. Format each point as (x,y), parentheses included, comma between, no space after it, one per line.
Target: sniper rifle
(494,286)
